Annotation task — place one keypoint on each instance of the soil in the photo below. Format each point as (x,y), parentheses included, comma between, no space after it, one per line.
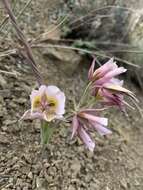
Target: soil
(116,163)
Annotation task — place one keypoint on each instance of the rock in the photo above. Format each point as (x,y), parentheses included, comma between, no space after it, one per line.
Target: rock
(107,188)
(20,100)
(27,158)
(75,167)
(25,169)
(88,178)
(71,188)
(10,180)
(41,184)
(18,188)
(3,82)
(25,188)
(2,106)
(4,139)
(52,171)
(16,167)
(94,186)
(30,175)
(123,184)
(67,60)
(19,182)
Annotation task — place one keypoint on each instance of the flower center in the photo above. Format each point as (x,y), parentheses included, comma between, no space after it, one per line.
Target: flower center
(51,104)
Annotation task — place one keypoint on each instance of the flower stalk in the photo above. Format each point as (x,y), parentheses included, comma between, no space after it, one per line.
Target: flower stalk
(47,130)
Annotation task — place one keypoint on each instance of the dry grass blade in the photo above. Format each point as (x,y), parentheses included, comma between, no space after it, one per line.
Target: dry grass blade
(53,29)
(8,52)
(97,42)
(9,73)
(88,21)
(3,23)
(124,51)
(86,51)
(100,9)
(24,8)
(20,35)
(17,17)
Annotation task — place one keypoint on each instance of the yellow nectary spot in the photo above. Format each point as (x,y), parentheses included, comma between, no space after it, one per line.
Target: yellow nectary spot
(52,102)
(36,102)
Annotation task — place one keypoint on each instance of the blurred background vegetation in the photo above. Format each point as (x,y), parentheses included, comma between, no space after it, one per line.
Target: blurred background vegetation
(90,28)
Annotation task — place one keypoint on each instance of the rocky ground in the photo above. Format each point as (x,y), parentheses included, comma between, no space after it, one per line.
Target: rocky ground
(117,162)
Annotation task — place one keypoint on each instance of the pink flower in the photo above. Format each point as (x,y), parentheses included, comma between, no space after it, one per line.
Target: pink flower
(84,121)
(104,73)
(47,103)
(106,87)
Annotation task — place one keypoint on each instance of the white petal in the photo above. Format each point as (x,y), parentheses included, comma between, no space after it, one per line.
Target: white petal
(55,92)
(61,103)
(52,90)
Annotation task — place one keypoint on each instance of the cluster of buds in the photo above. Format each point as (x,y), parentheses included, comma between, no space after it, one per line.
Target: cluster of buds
(106,87)
(48,103)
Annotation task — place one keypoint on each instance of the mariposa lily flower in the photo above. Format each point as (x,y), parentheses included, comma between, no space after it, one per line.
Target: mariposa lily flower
(86,120)
(47,103)
(108,88)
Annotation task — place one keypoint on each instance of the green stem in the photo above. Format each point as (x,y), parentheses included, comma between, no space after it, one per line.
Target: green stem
(84,94)
(46,132)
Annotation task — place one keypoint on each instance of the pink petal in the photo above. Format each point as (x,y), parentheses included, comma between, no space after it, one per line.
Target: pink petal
(38,92)
(99,120)
(75,125)
(33,94)
(101,130)
(37,115)
(56,93)
(26,115)
(111,99)
(109,66)
(115,72)
(120,89)
(86,139)
(106,78)
(29,115)
(91,70)
(116,81)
